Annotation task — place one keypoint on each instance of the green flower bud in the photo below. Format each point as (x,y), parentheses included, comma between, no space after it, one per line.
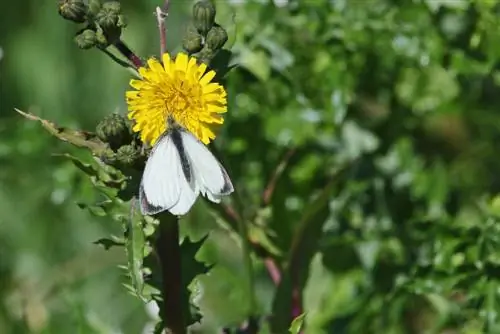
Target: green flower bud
(110,21)
(206,55)
(192,41)
(101,39)
(86,39)
(113,6)
(108,157)
(115,130)
(73,10)
(108,15)
(94,7)
(128,155)
(216,38)
(204,16)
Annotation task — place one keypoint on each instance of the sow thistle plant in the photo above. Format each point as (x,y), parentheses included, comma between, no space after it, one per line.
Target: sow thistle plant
(181,87)
(181,90)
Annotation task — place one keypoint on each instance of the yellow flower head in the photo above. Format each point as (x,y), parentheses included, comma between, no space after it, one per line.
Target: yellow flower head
(180,89)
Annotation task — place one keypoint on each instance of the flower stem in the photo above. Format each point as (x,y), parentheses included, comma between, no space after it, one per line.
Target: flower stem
(168,252)
(161,16)
(129,54)
(252,304)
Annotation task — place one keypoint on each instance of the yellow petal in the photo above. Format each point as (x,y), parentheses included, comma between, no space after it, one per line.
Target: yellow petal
(181,62)
(166,59)
(201,70)
(207,78)
(180,88)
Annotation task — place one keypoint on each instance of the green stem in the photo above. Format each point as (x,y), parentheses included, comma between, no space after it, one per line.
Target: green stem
(252,305)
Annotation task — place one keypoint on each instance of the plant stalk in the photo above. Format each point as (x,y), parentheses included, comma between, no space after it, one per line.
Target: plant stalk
(169,256)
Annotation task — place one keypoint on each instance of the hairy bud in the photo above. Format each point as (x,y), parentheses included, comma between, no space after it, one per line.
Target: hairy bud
(86,39)
(110,21)
(216,38)
(73,10)
(204,16)
(192,41)
(205,55)
(108,157)
(115,130)
(101,39)
(128,155)
(108,15)
(94,7)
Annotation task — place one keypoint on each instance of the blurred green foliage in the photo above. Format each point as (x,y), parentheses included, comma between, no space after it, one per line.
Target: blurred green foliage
(384,216)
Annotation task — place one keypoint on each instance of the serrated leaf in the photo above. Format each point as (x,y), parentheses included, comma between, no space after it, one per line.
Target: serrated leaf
(107,243)
(191,268)
(221,64)
(87,168)
(77,138)
(100,209)
(134,245)
(97,173)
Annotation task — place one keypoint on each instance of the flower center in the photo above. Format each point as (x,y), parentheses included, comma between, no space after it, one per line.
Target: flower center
(183,100)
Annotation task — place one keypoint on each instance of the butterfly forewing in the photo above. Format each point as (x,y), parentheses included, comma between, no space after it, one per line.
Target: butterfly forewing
(210,176)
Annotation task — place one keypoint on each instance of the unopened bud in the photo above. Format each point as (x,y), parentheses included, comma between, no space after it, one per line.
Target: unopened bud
(108,15)
(108,157)
(73,10)
(115,130)
(216,38)
(113,6)
(128,155)
(204,16)
(94,7)
(206,55)
(86,39)
(101,39)
(192,41)
(111,22)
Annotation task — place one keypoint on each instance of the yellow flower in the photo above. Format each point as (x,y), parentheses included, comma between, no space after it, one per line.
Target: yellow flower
(180,89)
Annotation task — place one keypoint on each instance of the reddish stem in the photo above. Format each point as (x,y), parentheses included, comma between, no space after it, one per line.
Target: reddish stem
(161,16)
(129,54)
(269,190)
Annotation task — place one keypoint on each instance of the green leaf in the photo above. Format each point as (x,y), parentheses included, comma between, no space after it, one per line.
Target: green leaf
(297,324)
(135,245)
(191,268)
(107,243)
(257,62)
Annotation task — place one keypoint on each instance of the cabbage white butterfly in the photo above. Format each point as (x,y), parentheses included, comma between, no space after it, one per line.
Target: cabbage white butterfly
(178,169)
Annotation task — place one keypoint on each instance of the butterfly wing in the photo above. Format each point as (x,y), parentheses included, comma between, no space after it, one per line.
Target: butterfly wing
(164,185)
(210,176)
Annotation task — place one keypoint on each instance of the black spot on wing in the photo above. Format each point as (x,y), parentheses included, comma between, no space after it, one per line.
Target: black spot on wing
(146,207)
(179,145)
(227,188)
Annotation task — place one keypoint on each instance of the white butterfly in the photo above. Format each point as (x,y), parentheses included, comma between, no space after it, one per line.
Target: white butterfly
(179,168)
